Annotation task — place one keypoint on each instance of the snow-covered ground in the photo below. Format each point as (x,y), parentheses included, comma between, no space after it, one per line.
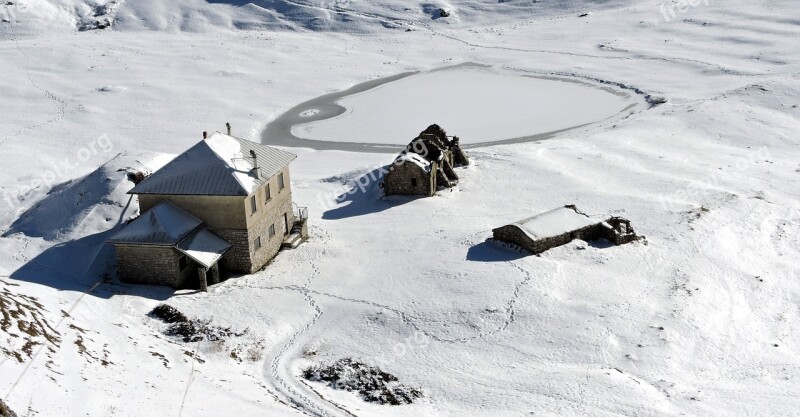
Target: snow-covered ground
(701,319)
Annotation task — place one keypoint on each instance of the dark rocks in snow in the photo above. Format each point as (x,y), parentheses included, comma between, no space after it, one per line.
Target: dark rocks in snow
(102,18)
(168,314)
(373,384)
(191,330)
(444,13)
(5,411)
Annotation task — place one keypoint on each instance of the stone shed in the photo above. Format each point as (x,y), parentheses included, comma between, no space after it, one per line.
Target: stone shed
(562,225)
(425,165)
(168,246)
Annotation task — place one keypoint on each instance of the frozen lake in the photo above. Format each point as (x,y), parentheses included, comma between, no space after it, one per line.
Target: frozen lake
(481,105)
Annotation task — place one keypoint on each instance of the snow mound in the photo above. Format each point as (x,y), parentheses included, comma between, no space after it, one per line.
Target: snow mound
(87,205)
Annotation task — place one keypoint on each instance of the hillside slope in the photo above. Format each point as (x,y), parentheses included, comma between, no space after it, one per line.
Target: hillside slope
(26,18)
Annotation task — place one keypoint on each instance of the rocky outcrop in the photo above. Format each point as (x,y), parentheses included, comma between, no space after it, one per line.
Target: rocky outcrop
(5,411)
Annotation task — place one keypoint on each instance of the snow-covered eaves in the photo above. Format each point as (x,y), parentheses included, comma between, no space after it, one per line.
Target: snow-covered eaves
(414,159)
(203,247)
(554,223)
(165,224)
(220,165)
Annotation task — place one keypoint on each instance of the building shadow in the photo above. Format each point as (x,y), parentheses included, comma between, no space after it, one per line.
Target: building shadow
(365,197)
(79,265)
(601,243)
(492,251)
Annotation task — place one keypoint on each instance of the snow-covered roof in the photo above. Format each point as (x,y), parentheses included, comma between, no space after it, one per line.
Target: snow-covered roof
(204,247)
(164,224)
(415,159)
(219,165)
(554,222)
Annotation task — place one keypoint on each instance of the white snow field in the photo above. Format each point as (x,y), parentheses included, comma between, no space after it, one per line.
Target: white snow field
(700,319)
(479,105)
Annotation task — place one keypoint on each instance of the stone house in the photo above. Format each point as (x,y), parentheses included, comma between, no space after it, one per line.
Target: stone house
(238,191)
(168,246)
(562,225)
(425,165)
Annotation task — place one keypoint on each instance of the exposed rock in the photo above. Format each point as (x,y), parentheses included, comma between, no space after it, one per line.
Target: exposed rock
(5,411)
(373,384)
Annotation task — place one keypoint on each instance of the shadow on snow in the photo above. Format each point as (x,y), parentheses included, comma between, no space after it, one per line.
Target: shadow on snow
(490,251)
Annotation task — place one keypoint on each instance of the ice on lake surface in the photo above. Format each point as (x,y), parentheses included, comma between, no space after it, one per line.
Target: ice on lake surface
(478,104)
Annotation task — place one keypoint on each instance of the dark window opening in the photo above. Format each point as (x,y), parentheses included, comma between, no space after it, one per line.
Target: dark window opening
(281,184)
(413,182)
(183,263)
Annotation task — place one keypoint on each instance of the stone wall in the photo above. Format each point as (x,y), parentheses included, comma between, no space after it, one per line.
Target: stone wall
(512,234)
(153,265)
(222,212)
(400,180)
(244,257)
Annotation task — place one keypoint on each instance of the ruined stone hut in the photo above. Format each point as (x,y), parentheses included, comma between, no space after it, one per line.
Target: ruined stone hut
(426,164)
(224,203)
(562,225)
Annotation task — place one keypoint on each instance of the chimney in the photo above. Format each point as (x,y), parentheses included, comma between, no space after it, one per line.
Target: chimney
(205,135)
(228,125)
(256,170)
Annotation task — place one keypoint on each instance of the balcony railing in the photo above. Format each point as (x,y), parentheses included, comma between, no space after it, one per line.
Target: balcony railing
(300,213)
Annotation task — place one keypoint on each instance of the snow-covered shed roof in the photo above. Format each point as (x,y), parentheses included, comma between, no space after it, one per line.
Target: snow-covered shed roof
(219,165)
(554,223)
(164,224)
(204,247)
(415,159)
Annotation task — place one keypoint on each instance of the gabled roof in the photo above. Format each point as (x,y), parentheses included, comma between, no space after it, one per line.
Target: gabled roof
(414,159)
(165,224)
(220,165)
(204,247)
(555,222)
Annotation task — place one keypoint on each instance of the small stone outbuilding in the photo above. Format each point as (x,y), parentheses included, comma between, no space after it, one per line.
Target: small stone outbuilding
(426,165)
(168,246)
(562,225)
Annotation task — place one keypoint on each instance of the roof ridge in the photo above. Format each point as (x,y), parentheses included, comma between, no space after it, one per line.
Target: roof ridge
(154,213)
(206,167)
(243,187)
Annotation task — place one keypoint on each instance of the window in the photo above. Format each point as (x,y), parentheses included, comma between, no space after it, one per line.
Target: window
(272,230)
(281,184)
(257,243)
(253,205)
(182,263)
(268,192)
(413,182)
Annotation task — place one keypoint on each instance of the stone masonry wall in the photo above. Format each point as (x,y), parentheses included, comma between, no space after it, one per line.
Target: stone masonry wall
(244,257)
(150,265)
(399,180)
